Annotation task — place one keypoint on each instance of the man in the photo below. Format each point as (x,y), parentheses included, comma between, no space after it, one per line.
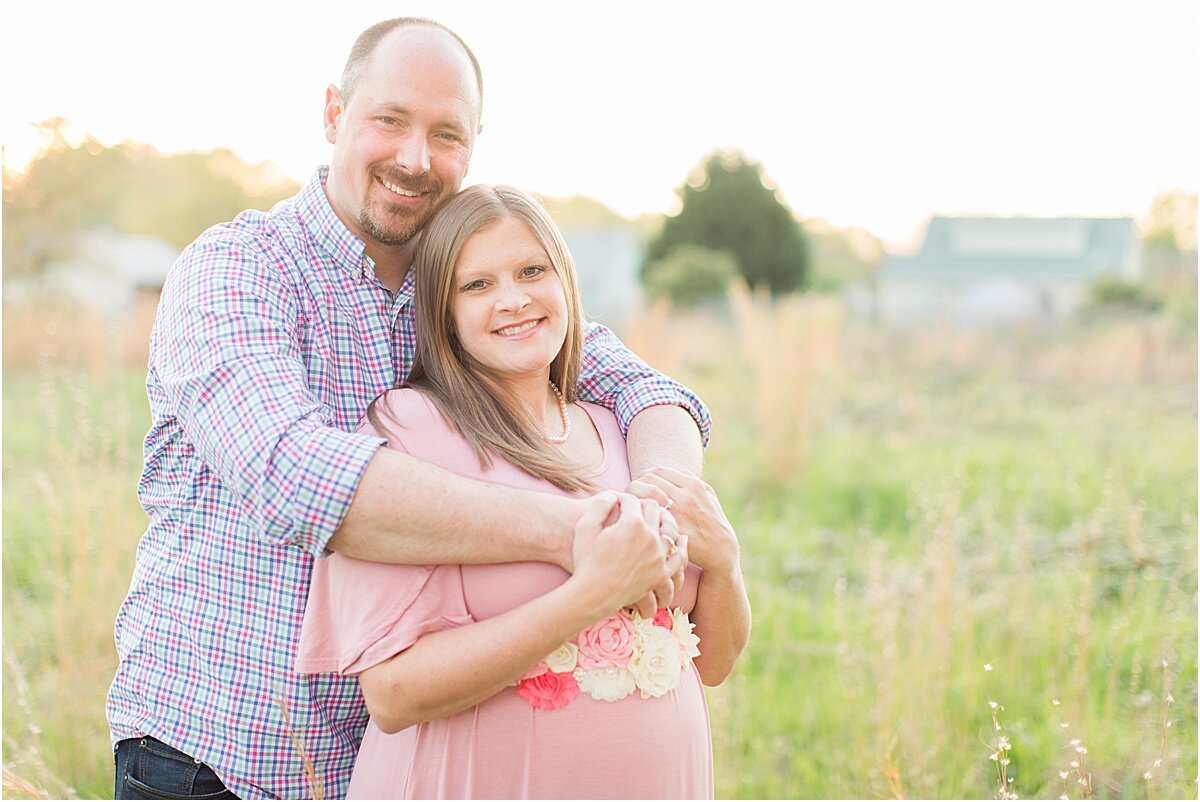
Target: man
(273,334)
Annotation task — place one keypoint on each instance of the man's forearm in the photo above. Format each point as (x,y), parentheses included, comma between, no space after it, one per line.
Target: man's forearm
(408,511)
(664,436)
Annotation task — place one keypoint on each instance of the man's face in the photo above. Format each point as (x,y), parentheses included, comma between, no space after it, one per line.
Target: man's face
(403,141)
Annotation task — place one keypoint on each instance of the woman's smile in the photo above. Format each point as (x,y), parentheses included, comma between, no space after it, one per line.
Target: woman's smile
(514,331)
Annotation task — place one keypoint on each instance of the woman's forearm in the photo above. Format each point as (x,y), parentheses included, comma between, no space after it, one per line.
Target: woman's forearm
(722,619)
(447,672)
(453,670)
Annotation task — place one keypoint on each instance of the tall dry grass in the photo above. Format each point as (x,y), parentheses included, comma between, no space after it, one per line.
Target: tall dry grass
(74,415)
(913,505)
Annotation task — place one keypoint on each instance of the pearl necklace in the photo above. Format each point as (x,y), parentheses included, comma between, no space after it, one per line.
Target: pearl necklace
(562,413)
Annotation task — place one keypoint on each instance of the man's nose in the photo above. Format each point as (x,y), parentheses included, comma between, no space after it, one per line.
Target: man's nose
(412,155)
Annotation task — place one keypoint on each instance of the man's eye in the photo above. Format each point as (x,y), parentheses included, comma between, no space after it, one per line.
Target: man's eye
(448,137)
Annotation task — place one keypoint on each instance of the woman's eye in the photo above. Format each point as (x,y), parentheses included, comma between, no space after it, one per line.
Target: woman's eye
(533,270)
(478,284)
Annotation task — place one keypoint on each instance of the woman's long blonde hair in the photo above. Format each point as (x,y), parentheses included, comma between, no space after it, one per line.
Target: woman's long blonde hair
(464,391)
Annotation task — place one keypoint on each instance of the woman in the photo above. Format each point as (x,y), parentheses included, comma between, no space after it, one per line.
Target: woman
(519,680)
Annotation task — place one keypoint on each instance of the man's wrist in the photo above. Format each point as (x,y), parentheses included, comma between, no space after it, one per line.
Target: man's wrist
(558,517)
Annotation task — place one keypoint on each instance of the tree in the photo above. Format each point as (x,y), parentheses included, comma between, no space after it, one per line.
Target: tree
(691,274)
(77,183)
(727,206)
(1171,223)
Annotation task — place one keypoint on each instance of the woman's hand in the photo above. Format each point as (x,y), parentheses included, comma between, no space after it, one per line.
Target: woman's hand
(712,542)
(620,555)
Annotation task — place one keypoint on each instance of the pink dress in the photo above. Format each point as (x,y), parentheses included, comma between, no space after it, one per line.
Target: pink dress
(362,613)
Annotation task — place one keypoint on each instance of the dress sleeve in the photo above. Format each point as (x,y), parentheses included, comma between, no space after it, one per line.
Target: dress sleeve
(226,356)
(362,613)
(614,377)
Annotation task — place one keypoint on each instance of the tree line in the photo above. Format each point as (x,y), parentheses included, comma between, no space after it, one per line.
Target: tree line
(730,223)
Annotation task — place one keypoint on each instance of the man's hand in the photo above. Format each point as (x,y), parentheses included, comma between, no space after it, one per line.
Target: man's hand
(694,504)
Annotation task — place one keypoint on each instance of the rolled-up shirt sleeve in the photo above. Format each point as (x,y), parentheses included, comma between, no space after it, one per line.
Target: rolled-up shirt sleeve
(614,377)
(228,354)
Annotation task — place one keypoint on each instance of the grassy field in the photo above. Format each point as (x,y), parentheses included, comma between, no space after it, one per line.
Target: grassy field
(971,556)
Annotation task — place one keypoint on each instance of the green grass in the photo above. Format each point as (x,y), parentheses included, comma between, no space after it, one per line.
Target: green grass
(950,504)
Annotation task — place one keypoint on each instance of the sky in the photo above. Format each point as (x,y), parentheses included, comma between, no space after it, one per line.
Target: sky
(871,114)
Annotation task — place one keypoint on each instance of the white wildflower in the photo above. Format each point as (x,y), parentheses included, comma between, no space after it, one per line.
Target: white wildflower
(987,666)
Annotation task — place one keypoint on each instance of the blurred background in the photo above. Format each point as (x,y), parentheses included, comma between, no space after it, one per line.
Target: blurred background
(932,265)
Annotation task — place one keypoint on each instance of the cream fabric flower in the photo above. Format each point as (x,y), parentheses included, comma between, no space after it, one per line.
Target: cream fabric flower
(563,659)
(605,684)
(682,629)
(655,665)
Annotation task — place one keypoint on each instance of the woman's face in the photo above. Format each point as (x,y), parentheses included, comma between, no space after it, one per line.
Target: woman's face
(508,302)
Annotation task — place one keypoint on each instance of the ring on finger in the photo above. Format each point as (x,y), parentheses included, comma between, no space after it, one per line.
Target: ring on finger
(670,541)
(670,503)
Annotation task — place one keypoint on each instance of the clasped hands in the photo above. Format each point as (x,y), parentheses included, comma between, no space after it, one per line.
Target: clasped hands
(635,537)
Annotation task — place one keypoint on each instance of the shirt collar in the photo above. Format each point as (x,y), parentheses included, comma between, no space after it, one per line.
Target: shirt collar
(329,233)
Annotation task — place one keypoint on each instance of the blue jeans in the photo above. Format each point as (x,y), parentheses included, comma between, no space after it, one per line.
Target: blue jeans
(149,769)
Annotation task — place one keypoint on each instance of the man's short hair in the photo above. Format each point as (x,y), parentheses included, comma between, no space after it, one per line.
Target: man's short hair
(365,44)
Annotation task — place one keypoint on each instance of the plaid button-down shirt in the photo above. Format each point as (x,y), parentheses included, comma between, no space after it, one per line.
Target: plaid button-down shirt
(272,336)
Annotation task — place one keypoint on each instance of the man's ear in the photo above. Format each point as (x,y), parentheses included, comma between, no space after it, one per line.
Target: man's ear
(333,110)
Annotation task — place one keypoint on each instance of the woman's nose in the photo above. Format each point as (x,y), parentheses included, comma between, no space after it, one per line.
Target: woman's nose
(512,297)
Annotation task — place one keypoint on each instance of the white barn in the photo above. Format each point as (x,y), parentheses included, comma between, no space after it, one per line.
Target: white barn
(108,272)
(981,270)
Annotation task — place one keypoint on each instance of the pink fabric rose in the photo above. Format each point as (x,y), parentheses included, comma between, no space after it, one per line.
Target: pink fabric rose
(662,618)
(548,691)
(607,643)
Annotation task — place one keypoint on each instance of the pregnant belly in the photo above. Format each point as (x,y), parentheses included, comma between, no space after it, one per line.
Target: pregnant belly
(506,749)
